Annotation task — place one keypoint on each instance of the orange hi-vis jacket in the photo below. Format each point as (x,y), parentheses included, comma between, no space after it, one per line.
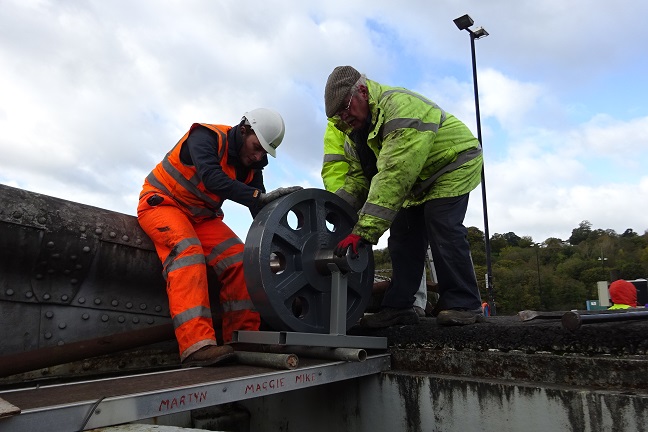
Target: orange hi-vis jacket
(175,179)
(185,222)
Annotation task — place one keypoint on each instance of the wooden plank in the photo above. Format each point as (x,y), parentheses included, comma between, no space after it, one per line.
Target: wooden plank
(7,409)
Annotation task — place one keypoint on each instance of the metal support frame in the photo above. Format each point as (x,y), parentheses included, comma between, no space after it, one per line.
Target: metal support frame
(112,401)
(336,338)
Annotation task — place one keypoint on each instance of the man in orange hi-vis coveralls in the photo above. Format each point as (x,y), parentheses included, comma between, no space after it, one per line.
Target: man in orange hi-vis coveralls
(180,210)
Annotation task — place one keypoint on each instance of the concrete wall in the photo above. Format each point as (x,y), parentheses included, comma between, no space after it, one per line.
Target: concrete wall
(400,401)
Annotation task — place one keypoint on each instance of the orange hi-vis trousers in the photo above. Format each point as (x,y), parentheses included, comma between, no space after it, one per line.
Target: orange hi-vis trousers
(185,247)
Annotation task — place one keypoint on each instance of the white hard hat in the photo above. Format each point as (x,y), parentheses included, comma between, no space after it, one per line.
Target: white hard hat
(268,126)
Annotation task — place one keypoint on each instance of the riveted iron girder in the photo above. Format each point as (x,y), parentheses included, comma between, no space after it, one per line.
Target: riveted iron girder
(71,272)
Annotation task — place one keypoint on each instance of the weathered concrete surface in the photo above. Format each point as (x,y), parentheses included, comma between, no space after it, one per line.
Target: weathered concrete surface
(598,355)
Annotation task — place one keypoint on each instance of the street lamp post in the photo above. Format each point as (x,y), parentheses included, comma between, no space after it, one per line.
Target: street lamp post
(463,23)
(536,247)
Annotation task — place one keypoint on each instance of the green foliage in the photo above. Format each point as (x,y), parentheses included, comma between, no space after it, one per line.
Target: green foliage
(554,274)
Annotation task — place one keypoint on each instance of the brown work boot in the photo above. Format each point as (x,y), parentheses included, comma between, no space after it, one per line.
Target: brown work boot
(460,317)
(209,355)
(388,317)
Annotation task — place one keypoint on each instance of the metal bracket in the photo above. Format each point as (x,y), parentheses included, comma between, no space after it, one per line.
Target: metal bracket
(336,338)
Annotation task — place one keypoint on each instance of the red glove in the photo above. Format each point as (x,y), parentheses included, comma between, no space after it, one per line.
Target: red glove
(354,241)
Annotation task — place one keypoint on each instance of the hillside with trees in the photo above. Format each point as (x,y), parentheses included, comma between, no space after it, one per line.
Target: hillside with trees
(555,274)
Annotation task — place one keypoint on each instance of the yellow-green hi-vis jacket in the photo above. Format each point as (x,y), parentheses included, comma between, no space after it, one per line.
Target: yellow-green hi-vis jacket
(335,165)
(412,139)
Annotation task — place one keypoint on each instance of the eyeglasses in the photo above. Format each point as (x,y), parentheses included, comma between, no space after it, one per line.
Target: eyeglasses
(345,111)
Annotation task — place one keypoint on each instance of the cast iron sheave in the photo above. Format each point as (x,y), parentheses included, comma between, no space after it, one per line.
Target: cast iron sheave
(286,253)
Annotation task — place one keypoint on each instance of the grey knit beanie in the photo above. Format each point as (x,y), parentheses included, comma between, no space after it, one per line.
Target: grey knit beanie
(338,86)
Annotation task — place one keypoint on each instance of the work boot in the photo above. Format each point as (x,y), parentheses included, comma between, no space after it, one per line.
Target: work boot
(460,316)
(390,316)
(209,355)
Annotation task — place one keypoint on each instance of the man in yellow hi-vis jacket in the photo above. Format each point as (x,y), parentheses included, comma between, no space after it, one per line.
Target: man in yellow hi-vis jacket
(408,159)
(334,169)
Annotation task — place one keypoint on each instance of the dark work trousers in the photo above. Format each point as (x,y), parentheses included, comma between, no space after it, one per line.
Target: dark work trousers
(441,222)
(407,246)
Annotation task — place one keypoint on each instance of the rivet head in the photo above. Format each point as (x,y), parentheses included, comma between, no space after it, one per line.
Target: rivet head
(151,321)
(114,303)
(112,234)
(86,249)
(121,319)
(73,257)
(97,301)
(104,317)
(50,244)
(29,294)
(48,335)
(74,281)
(46,296)
(56,255)
(62,325)
(9,292)
(42,220)
(98,231)
(60,343)
(135,320)
(64,297)
(125,238)
(129,305)
(158,308)
(49,314)
(81,300)
(82,228)
(138,241)
(143,306)
(85,316)
(17,214)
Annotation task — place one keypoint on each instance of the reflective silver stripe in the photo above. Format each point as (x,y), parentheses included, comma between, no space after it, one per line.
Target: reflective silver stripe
(179,248)
(462,158)
(226,262)
(222,247)
(188,184)
(419,97)
(379,211)
(350,150)
(413,123)
(189,314)
(352,200)
(196,211)
(155,182)
(237,305)
(184,262)
(334,157)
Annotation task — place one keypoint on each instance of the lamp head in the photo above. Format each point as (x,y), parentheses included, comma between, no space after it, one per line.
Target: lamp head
(479,33)
(463,22)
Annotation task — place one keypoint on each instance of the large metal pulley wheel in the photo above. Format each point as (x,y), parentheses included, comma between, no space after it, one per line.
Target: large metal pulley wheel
(288,256)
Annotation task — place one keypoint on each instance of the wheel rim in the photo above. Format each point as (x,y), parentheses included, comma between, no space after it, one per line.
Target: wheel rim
(283,275)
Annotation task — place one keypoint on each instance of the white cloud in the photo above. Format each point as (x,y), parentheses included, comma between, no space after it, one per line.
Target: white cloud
(95,93)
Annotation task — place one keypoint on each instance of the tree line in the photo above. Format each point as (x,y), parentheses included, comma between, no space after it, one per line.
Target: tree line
(555,274)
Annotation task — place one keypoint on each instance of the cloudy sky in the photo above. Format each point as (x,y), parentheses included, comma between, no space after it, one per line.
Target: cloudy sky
(94,93)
